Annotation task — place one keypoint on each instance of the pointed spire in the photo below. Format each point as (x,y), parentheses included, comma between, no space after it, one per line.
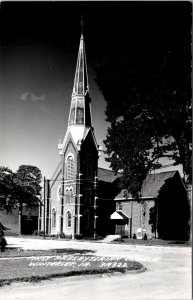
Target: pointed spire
(80,111)
(81,77)
(82,24)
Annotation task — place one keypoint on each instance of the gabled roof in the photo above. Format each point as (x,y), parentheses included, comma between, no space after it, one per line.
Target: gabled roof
(55,174)
(103,175)
(118,215)
(151,185)
(107,175)
(154,182)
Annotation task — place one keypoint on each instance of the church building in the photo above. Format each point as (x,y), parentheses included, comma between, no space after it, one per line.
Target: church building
(83,200)
(71,194)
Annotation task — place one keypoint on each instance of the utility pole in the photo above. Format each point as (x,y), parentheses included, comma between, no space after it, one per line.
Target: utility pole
(131,220)
(95,206)
(44,206)
(62,203)
(78,205)
(48,205)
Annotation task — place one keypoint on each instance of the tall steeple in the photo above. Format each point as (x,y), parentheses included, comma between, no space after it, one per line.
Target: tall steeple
(80,113)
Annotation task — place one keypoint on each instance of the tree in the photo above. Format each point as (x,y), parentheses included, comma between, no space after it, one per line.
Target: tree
(20,188)
(6,186)
(149,109)
(27,188)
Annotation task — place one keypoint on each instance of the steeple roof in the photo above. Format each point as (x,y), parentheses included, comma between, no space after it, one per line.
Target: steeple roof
(80,112)
(80,120)
(80,87)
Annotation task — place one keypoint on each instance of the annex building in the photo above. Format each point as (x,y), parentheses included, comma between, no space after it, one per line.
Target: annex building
(83,200)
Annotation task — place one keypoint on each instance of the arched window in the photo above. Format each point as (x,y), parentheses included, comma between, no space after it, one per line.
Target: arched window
(59,192)
(67,196)
(69,219)
(120,206)
(53,218)
(70,167)
(71,194)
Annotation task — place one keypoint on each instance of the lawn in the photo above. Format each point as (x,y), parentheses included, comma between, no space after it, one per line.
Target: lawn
(32,265)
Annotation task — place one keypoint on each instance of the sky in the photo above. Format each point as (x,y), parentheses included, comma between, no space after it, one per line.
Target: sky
(39,47)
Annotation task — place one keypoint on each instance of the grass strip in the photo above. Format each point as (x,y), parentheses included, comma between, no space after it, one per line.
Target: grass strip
(37,278)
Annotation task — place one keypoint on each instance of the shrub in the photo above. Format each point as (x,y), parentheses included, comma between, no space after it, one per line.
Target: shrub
(38,232)
(62,235)
(78,236)
(68,236)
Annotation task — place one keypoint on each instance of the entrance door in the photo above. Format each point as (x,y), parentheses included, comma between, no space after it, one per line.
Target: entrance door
(120,229)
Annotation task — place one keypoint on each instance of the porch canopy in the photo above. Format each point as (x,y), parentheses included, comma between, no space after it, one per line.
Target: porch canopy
(119,215)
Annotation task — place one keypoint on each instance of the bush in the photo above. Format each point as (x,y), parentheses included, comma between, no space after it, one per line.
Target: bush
(78,236)
(62,235)
(53,235)
(38,232)
(124,236)
(68,236)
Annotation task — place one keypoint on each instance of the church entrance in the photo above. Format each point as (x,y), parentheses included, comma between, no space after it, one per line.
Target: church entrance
(119,223)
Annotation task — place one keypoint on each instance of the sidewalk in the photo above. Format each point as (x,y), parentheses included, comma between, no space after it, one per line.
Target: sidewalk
(48,244)
(38,243)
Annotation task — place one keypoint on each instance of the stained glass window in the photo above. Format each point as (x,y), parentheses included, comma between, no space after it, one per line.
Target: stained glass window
(67,196)
(70,168)
(71,195)
(53,218)
(69,219)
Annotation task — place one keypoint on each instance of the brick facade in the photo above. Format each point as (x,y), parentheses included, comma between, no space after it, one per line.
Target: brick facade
(134,211)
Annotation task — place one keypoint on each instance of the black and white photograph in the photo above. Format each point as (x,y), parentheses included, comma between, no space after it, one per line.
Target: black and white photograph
(95,150)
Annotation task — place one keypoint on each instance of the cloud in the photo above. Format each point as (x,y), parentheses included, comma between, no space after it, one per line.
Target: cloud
(31,97)
(36,99)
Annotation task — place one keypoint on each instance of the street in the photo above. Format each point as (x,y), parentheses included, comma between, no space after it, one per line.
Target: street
(168,274)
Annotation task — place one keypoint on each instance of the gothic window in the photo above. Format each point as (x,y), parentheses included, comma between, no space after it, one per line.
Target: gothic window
(71,194)
(69,219)
(67,196)
(70,167)
(53,218)
(120,206)
(59,192)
